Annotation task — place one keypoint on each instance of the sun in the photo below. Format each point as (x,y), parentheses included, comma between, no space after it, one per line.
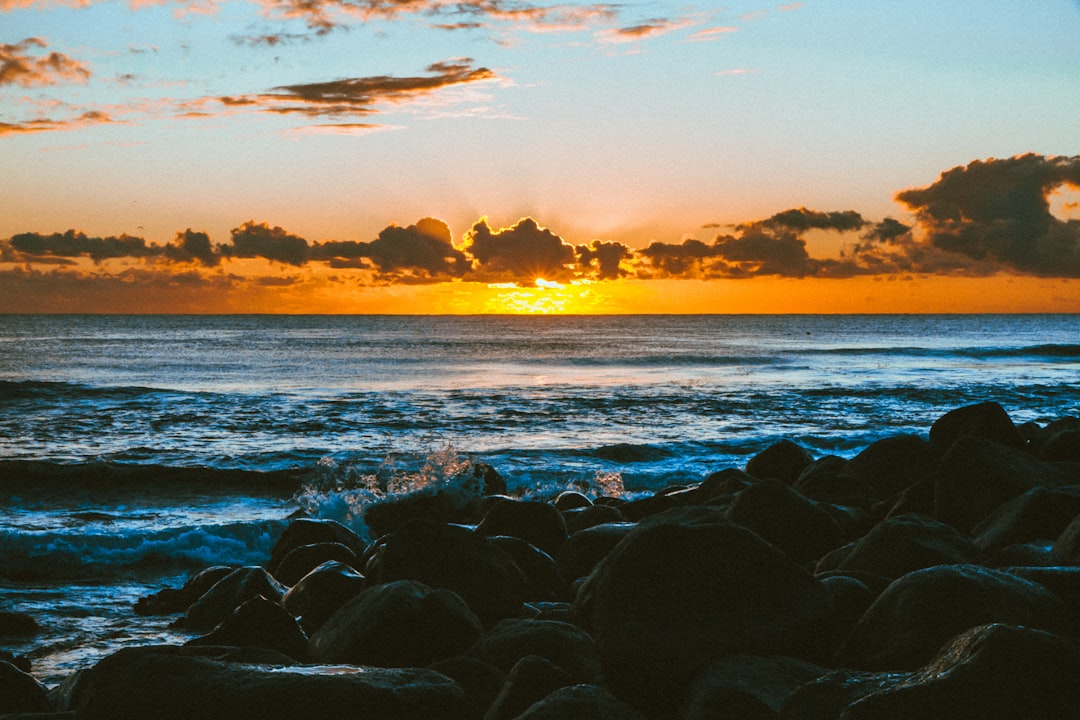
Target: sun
(543,297)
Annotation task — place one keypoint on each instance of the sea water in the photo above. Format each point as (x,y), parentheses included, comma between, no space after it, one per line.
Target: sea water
(198,413)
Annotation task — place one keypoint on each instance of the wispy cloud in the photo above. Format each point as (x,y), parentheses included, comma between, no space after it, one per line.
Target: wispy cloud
(737,71)
(712,33)
(27,65)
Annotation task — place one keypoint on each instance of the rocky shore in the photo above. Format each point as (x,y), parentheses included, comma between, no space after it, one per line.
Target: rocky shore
(929,577)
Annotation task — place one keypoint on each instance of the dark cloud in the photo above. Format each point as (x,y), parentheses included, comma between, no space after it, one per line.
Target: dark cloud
(801,220)
(520,253)
(192,246)
(691,259)
(604,258)
(423,252)
(273,243)
(21,64)
(998,211)
(74,243)
(757,252)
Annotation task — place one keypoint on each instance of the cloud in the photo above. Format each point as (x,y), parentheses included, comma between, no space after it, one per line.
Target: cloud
(21,65)
(604,259)
(252,240)
(801,220)
(712,33)
(521,253)
(423,252)
(997,211)
(73,244)
(191,246)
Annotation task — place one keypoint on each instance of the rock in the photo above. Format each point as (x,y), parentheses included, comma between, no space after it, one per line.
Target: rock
(446,503)
(543,579)
(991,672)
(19,661)
(851,598)
(400,624)
(318,595)
(480,681)
(566,645)
(722,485)
(918,613)
(172,600)
(747,687)
(17,625)
(304,558)
(987,420)
(531,679)
(673,597)
(538,523)
(783,461)
(20,692)
(976,476)
(662,501)
(1038,514)
(783,517)
(1064,582)
(586,517)
(308,531)
(827,480)
(585,548)
(580,702)
(571,500)
(171,683)
(1060,440)
(1067,545)
(451,557)
(259,623)
(229,593)
(902,544)
(889,466)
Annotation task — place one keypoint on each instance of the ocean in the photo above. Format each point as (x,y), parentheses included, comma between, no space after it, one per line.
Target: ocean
(136,450)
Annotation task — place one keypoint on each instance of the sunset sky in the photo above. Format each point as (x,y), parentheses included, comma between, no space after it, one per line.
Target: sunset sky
(533,156)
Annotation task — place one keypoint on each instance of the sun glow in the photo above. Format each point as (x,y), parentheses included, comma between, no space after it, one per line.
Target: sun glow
(545,297)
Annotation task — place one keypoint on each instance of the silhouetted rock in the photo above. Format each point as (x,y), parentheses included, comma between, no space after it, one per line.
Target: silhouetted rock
(177,600)
(987,420)
(722,485)
(1060,440)
(309,531)
(229,593)
(902,544)
(570,500)
(1067,545)
(20,692)
(543,579)
(827,480)
(586,517)
(173,683)
(17,625)
(304,558)
(889,466)
(19,661)
(747,687)
(480,681)
(566,645)
(399,624)
(447,503)
(538,523)
(259,623)
(455,558)
(786,519)
(531,679)
(321,592)
(851,598)
(585,548)
(1038,514)
(783,461)
(673,597)
(580,702)
(918,613)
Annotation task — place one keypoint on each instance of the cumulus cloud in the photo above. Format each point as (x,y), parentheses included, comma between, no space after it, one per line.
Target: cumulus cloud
(520,253)
(73,244)
(259,240)
(603,260)
(191,246)
(998,211)
(23,64)
(801,220)
(423,252)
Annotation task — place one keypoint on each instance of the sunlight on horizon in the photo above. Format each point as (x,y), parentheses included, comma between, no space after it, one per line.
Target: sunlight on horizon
(544,297)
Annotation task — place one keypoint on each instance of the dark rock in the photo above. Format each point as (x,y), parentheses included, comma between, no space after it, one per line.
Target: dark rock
(1064,582)
(259,623)
(827,480)
(783,461)
(531,679)
(918,498)
(19,661)
(570,500)
(580,702)
(891,465)
(566,645)
(671,598)
(480,681)
(543,579)
(1038,514)
(586,517)
(786,519)
(174,683)
(851,598)
(899,545)
(304,558)
(309,531)
(538,523)
(992,672)
(987,420)
(318,595)
(1060,440)
(20,692)
(918,613)
(399,624)
(451,557)
(172,600)
(446,503)
(745,687)
(561,611)
(17,625)
(1067,545)
(491,482)
(723,485)
(229,593)
(666,499)
(585,548)
(1026,554)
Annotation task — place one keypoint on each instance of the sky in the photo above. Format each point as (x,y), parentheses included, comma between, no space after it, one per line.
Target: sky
(528,156)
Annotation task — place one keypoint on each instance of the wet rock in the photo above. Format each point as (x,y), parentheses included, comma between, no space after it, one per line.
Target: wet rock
(586,517)
(571,500)
(17,625)
(177,600)
(538,523)
(259,623)
(987,420)
(449,504)
(171,683)
(229,593)
(309,531)
(746,687)
(1060,440)
(585,548)
(673,597)
(304,558)
(19,661)
(398,624)
(723,485)
(783,461)
(318,595)
(827,480)
(454,558)
(918,613)
(783,517)
(566,645)
(20,692)
(543,579)
(1067,545)
(580,702)
(891,465)
(531,679)
(1038,514)
(902,544)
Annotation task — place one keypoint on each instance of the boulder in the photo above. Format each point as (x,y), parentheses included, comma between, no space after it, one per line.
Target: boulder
(259,623)
(783,461)
(673,597)
(480,681)
(722,485)
(304,558)
(17,625)
(176,600)
(891,465)
(399,624)
(308,531)
(538,523)
(746,687)
(531,679)
(580,702)
(918,613)
(446,503)
(318,595)
(585,548)
(987,420)
(20,692)
(543,579)
(1067,545)
(1038,514)
(827,480)
(1060,440)
(782,516)
(902,544)
(229,593)
(571,500)
(566,645)
(586,517)
(451,557)
(180,683)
